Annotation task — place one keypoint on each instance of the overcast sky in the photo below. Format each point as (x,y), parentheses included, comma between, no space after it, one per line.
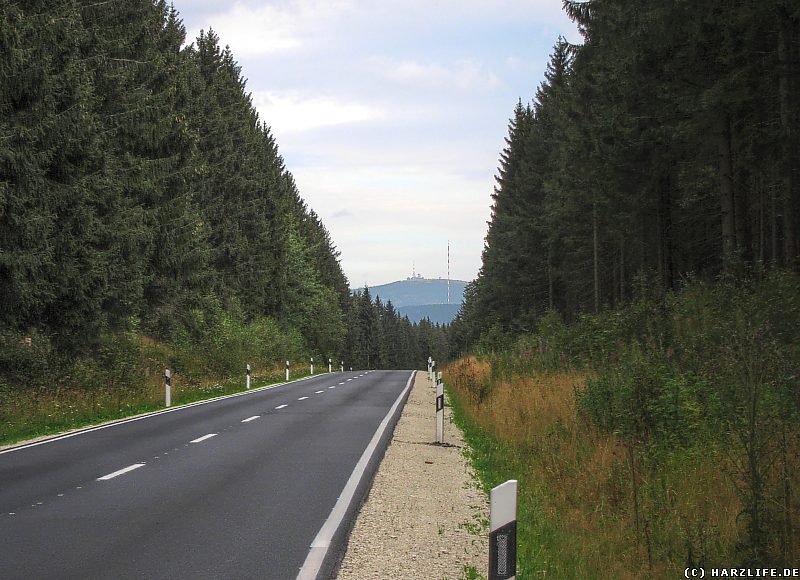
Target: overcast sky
(390,114)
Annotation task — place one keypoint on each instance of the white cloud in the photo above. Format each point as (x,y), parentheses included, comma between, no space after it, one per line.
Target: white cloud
(463,74)
(548,11)
(264,28)
(288,113)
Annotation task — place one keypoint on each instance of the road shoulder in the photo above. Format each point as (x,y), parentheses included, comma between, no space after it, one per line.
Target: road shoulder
(423,515)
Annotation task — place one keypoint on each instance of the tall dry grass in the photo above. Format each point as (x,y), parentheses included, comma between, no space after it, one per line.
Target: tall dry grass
(592,505)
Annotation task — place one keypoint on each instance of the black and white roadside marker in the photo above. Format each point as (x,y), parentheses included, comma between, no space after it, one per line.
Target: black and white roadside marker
(329,366)
(312,365)
(439,410)
(503,531)
(248,376)
(167,388)
(287,370)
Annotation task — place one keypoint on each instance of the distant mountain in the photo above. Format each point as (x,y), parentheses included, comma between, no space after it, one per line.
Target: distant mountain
(420,298)
(419,291)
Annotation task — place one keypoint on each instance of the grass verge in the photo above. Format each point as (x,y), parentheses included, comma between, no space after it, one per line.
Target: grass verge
(89,395)
(588,507)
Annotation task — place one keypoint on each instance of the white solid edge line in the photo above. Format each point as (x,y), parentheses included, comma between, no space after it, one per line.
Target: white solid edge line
(253,418)
(147,416)
(321,543)
(120,472)
(203,438)
(281,406)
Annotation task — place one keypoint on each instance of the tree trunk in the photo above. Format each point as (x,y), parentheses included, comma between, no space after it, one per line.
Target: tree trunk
(726,191)
(596,260)
(659,241)
(665,201)
(790,246)
(621,268)
(759,184)
(740,215)
(550,275)
(773,220)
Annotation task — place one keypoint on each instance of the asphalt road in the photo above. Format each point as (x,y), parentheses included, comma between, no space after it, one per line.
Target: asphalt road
(236,488)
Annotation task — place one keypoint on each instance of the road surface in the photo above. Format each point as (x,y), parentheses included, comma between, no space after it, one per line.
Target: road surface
(236,488)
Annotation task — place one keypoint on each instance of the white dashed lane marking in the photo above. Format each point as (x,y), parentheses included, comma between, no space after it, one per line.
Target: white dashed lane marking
(198,440)
(203,438)
(120,472)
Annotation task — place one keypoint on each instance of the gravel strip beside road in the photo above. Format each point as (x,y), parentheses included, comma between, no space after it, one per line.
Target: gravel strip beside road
(423,516)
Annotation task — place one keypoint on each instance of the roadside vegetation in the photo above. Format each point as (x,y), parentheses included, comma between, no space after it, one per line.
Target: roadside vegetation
(650,438)
(630,349)
(45,389)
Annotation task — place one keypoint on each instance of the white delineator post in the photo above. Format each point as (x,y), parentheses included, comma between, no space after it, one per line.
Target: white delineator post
(439,410)
(248,376)
(342,366)
(329,365)
(312,365)
(430,369)
(503,531)
(287,370)
(167,388)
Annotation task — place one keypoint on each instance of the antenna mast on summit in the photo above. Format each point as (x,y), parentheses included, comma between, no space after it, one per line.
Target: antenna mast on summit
(448,271)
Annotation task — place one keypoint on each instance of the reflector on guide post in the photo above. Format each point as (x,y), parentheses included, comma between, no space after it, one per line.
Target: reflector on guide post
(248,376)
(440,412)
(287,370)
(167,388)
(503,531)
